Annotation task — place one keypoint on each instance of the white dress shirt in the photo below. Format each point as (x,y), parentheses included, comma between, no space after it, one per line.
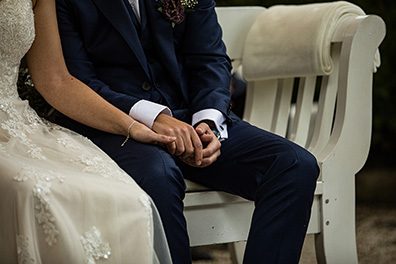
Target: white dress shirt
(146,112)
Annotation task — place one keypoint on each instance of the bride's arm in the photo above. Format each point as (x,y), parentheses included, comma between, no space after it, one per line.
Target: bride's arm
(67,94)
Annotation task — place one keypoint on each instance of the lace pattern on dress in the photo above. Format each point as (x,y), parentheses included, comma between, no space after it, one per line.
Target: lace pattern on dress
(41,191)
(17,127)
(23,250)
(94,247)
(105,168)
(67,143)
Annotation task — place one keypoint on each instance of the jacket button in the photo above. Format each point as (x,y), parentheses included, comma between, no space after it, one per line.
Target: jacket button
(146,86)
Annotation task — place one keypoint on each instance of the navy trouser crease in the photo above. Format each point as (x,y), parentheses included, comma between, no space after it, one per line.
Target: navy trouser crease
(279,176)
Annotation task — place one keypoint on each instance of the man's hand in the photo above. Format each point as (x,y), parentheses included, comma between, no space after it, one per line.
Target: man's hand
(211,145)
(187,146)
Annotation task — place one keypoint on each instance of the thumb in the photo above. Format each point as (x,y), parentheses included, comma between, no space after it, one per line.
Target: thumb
(200,129)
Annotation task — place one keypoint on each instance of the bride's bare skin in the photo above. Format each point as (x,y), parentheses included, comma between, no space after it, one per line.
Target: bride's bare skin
(66,93)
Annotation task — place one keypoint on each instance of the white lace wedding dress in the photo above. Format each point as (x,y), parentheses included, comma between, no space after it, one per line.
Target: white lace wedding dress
(62,200)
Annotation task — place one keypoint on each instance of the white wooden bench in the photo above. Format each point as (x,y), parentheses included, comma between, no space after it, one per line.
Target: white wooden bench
(339,136)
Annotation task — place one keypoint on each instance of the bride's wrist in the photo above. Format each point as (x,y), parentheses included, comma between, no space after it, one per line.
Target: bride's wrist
(128,133)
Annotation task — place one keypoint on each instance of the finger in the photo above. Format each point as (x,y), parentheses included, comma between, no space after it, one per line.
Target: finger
(198,150)
(210,154)
(202,129)
(188,144)
(207,138)
(213,146)
(154,138)
(179,146)
(204,135)
(210,159)
(162,139)
(171,147)
(190,161)
(143,134)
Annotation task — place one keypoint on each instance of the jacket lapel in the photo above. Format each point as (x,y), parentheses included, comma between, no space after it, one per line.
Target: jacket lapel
(119,16)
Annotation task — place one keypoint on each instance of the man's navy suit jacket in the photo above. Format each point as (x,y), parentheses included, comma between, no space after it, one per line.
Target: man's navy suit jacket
(102,48)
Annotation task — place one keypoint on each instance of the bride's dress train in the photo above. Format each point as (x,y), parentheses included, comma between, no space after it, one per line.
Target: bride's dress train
(62,200)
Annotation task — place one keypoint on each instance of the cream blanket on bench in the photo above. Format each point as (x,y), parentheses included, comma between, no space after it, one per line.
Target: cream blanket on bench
(287,41)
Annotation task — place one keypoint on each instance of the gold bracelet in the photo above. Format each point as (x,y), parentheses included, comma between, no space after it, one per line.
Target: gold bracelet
(129,130)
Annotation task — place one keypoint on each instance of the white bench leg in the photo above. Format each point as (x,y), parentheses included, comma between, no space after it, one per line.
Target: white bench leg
(237,249)
(337,241)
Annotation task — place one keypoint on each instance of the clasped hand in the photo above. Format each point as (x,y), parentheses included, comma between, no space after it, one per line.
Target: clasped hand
(198,147)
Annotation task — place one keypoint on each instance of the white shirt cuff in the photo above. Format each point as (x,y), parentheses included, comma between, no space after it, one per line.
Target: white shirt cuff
(214,115)
(146,112)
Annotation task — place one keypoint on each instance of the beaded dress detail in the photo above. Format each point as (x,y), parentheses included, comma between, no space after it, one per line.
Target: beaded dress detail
(63,200)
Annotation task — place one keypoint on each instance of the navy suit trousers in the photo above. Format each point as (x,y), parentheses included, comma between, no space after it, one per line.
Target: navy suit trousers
(278,175)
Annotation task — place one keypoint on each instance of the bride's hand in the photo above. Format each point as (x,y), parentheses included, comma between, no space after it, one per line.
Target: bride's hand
(141,133)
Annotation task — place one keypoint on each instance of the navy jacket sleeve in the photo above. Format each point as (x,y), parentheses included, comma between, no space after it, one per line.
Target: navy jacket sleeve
(207,64)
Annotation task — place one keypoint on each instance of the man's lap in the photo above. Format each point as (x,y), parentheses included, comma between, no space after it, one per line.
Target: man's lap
(246,159)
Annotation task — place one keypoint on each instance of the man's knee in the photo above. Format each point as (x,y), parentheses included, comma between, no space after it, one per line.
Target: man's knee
(296,166)
(308,165)
(305,172)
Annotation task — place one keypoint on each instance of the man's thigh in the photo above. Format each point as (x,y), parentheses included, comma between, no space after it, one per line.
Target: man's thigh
(248,157)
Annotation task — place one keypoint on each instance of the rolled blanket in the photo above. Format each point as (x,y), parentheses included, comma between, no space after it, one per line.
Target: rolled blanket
(294,40)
